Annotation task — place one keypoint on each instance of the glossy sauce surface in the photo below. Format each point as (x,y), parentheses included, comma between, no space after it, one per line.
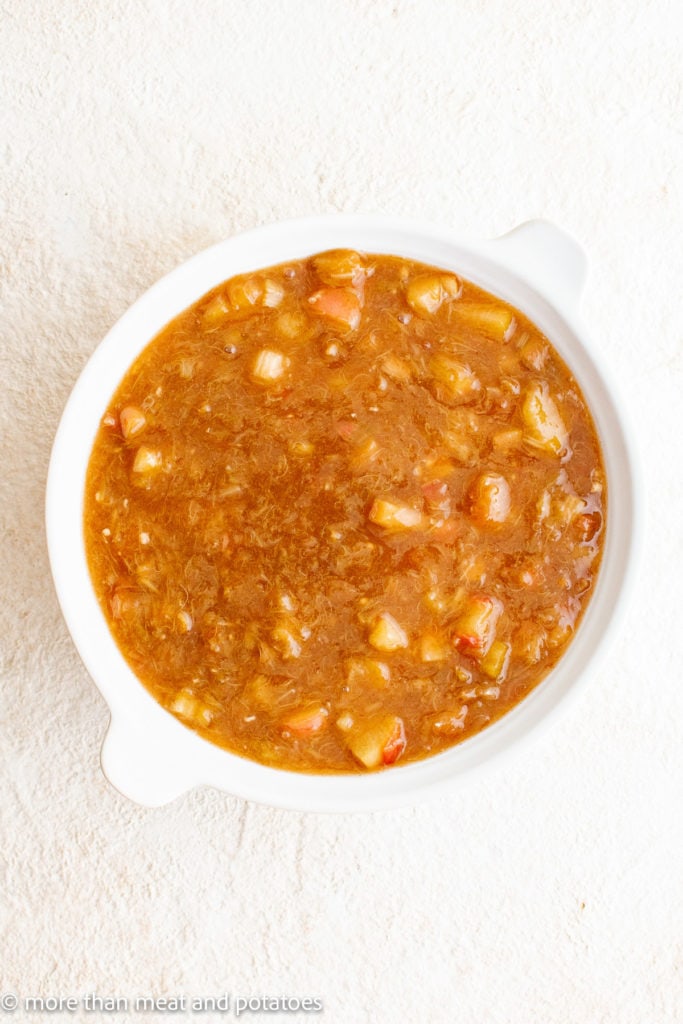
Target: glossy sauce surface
(345,512)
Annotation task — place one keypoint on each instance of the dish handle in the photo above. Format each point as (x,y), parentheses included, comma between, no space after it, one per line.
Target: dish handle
(548,258)
(140,768)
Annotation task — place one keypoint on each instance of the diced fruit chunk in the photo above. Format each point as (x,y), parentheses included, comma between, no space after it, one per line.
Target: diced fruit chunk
(133,421)
(184,622)
(490,499)
(366,452)
(269,365)
(245,292)
(340,266)
(545,428)
(475,627)
(449,722)
(395,515)
(127,603)
(433,648)
(217,309)
(493,321)
(530,642)
(428,292)
(345,721)
(445,602)
(386,634)
(380,740)
(273,293)
(191,708)
(463,449)
(438,499)
(288,633)
(456,377)
(291,325)
(341,305)
(266,691)
(589,525)
(495,662)
(437,468)
(504,440)
(147,460)
(186,368)
(569,506)
(367,672)
(301,447)
(534,353)
(306,721)
(287,642)
(398,369)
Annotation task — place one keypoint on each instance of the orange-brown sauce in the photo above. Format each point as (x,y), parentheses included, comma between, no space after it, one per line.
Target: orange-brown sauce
(344,512)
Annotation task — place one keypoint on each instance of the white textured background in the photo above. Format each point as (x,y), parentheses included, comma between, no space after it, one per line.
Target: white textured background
(133,135)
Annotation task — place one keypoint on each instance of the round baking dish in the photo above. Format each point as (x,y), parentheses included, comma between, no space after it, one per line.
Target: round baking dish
(148,754)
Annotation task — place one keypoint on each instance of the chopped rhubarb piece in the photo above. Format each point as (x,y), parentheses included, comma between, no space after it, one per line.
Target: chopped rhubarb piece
(341,305)
(306,721)
(475,627)
(381,740)
(395,744)
(494,664)
(346,429)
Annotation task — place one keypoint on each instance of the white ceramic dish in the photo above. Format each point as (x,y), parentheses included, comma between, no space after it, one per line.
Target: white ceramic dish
(147,754)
